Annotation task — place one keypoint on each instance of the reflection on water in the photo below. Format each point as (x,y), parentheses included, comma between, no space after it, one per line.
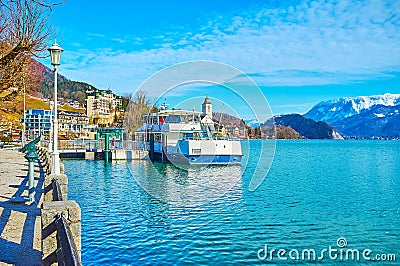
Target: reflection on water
(185,187)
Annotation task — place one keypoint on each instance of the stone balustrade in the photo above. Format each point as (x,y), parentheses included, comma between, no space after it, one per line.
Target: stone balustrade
(50,209)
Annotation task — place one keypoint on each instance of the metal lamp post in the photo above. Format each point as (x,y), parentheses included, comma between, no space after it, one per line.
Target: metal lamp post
(39,117)
(23,137)
(55,55)
(51,128)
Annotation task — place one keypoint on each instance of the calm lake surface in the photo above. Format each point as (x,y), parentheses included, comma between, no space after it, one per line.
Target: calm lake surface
(315,193)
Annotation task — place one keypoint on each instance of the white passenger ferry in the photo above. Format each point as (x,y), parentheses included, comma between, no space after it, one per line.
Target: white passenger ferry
(187,137)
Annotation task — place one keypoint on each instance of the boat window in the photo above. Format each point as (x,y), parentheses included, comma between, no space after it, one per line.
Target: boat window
(157,137)
(196,151)
(188,135)
(140,137)
(172,119)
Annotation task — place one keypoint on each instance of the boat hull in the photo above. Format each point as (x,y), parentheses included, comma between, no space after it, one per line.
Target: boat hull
(199,159)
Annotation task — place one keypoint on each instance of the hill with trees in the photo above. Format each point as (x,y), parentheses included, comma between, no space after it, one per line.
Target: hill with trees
(308,128)
(67,89)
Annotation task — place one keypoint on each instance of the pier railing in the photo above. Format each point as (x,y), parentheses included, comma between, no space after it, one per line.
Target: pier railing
(127,145)
(87,145)
(67,252)
(57,195)
(97,145)
(61,219)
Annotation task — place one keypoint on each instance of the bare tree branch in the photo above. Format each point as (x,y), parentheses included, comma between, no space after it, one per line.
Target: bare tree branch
(24,31)
(138,105)
(49,4)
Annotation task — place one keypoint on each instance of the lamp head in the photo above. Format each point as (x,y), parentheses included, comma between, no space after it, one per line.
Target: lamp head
(55,54)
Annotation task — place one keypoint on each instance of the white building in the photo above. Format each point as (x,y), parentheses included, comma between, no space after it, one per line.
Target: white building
(101,102)
(37,123)
(206,107)
(70,124)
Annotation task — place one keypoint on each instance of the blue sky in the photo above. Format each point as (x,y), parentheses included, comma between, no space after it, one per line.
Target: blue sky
(298,52)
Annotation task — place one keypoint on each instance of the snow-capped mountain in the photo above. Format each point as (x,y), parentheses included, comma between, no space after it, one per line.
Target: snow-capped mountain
(364,116)
(252,122)
(336,110)
(377,121)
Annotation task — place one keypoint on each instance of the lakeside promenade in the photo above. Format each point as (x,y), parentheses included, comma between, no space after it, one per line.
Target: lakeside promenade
(20,223)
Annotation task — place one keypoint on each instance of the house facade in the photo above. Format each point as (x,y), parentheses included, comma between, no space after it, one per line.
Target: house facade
(101,102)
(71,125)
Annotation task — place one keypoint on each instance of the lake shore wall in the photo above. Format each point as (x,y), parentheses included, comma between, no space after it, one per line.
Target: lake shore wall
(56,205)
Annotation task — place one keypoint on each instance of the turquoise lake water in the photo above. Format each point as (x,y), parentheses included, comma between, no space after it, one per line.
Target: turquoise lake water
(316,192)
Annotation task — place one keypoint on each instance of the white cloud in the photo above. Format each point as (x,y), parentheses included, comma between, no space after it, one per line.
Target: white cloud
(119,40)
(313,43)
(96,35)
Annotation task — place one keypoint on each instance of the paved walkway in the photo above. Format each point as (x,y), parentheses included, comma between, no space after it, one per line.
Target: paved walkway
(20,223)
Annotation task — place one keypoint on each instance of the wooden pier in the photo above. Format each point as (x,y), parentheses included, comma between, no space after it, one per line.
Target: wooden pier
(97,150)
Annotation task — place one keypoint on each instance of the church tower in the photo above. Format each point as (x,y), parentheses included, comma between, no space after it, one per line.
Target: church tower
(206,107)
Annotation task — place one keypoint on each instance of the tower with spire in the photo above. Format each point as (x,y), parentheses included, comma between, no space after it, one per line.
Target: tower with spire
(206,107)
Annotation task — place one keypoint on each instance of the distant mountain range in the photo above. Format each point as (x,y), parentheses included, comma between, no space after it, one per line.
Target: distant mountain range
(361,117)
(227,119)
(307,128)
(252,122)
(292,126)
(376,116)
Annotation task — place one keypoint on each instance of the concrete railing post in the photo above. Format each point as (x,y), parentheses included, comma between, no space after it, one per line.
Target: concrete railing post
(62,168)
(44,157)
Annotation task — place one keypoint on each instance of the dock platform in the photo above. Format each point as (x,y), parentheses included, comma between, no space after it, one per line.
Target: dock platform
(20,223)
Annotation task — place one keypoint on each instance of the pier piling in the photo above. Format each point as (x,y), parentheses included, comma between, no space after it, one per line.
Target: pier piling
(151,154)
(106,147)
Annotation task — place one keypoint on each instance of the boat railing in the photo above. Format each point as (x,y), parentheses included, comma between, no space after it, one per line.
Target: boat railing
(211,138)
